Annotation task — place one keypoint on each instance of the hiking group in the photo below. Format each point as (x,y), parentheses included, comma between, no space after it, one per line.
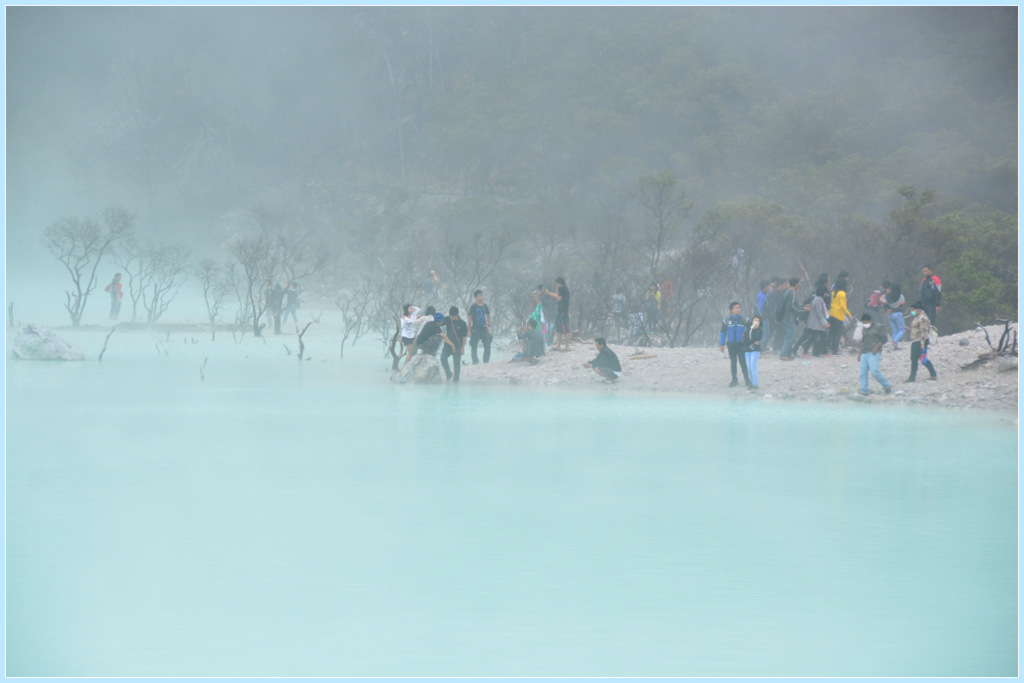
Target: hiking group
(829,324)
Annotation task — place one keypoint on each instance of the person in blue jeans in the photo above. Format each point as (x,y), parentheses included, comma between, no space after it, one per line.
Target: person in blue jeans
(870,356)
(752,343)
(892,304)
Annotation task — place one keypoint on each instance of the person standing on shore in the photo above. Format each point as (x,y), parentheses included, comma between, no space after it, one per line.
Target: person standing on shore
(790,310)
(479,327)
(870,356)
(773,329)
(752,337)
(409,323)
(764,309)
(275,301)
(817,323)
(731,335)
(116,294)
(930,295)
(454,335)
(619,314)
(838,314)
(652,305)
(920,328)
(561,295)
(291,303)
(606,363)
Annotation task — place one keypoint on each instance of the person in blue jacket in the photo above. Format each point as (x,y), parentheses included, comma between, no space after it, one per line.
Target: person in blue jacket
(731,336)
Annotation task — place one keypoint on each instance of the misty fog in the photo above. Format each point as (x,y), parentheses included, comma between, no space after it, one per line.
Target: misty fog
(506,146)
(199,503)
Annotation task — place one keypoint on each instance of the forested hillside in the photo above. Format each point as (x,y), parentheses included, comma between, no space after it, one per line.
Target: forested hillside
(502,147)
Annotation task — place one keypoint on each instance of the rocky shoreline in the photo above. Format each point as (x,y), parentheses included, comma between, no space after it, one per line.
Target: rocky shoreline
(992,385)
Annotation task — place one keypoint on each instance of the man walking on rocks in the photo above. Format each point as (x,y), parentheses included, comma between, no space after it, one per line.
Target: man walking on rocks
(870,355)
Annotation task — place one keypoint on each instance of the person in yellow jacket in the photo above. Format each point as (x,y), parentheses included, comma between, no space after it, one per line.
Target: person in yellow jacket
(838,314)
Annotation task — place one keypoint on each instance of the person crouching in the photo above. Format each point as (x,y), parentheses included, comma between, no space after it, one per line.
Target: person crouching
(606,363)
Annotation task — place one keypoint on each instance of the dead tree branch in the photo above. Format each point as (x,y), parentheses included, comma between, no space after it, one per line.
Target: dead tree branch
(104,350)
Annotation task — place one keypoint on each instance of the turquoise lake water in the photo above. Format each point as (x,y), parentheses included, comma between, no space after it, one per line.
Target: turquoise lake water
(276,520)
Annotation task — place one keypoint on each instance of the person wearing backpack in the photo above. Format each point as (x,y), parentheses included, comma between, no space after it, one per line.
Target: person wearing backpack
(479,327)
(116,294)
(920,329)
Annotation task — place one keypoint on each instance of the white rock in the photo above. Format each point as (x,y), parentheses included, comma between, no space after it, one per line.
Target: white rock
(35,342)
(421,369)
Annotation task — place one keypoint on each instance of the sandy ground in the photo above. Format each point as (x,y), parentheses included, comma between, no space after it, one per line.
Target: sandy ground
(992,386)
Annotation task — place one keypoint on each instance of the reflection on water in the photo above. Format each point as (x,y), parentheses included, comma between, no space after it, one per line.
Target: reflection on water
(316,520)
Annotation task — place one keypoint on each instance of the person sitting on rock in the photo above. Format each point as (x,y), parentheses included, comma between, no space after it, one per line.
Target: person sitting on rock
(533,343)
(431,336)
(606,363)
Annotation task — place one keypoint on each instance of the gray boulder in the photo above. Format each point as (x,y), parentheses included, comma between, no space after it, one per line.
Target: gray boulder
(1007,364)
(35,342)
(421,369)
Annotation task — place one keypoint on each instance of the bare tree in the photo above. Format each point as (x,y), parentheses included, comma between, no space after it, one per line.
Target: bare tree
(129,255)
(254,256)
(215,281)
(473,242)
(170,268)
(666,207)
(80,244)
(354,306)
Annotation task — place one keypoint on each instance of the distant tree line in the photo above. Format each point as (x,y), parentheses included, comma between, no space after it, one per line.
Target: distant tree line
(620,244)
(502,147)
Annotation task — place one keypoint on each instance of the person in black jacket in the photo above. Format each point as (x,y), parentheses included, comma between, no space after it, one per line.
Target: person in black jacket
(931,294)
(606,363)
(453,333)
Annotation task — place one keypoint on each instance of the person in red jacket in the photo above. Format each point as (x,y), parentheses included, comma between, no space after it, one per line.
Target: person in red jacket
(115,296)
